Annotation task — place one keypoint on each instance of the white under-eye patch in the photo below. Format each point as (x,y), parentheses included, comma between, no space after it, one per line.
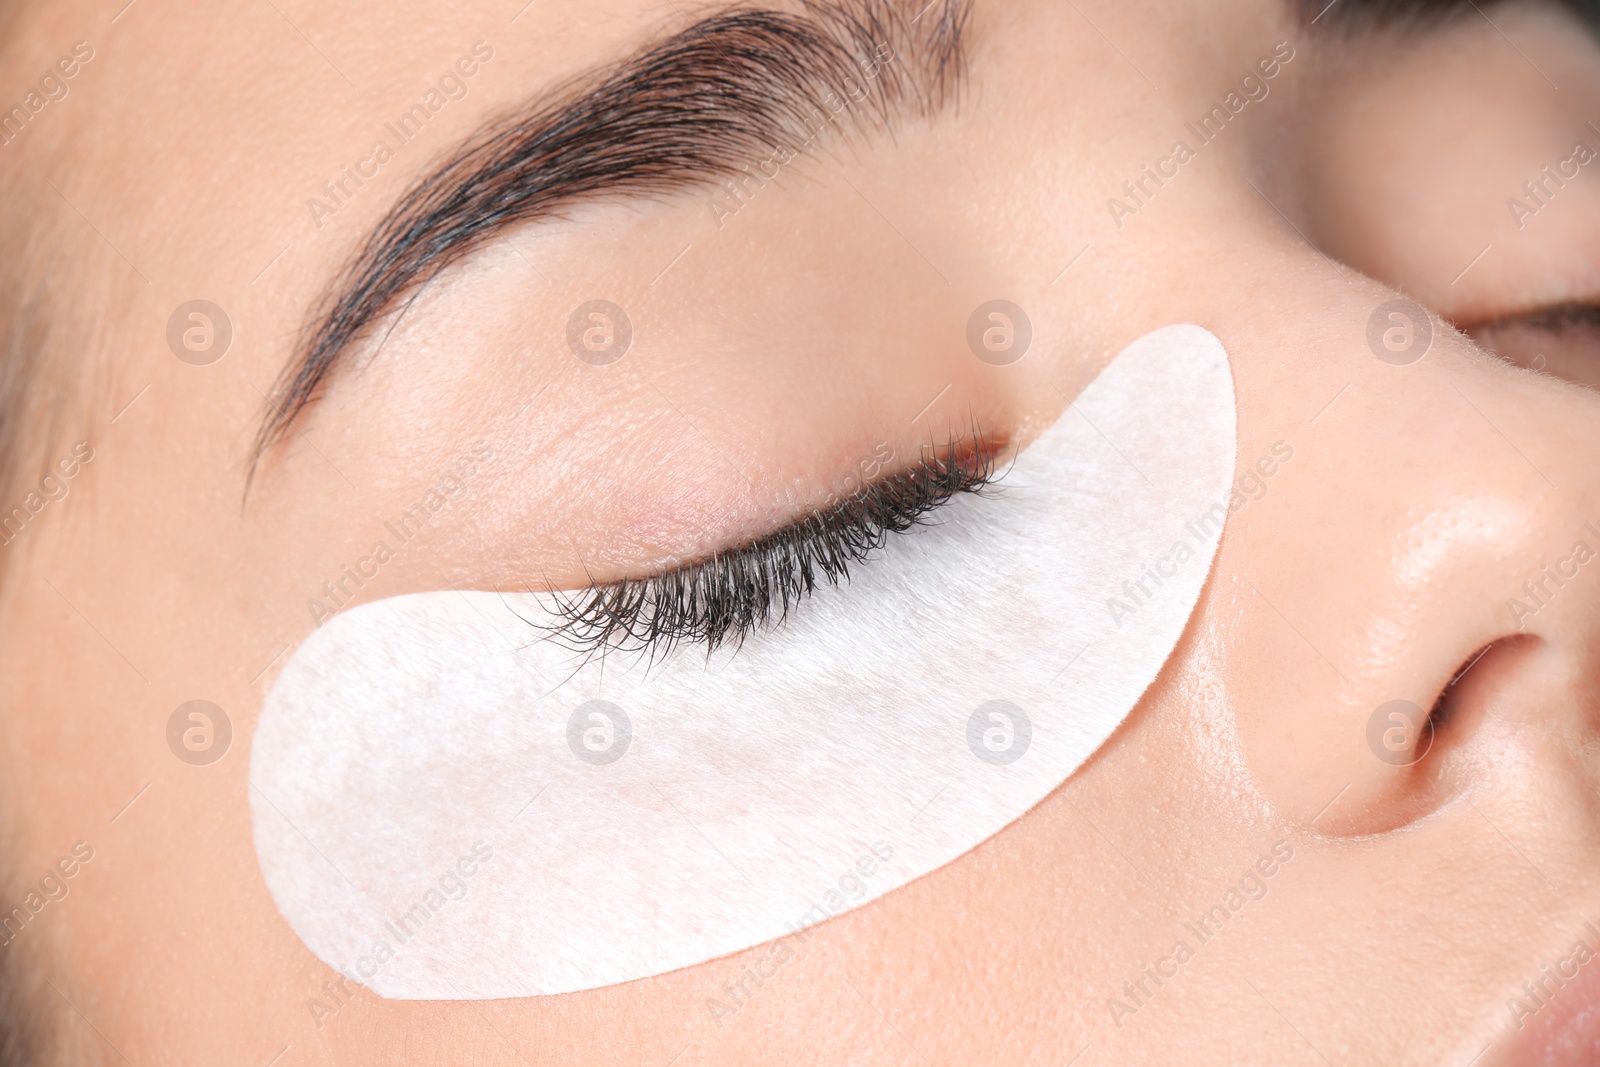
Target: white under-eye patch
(448,806)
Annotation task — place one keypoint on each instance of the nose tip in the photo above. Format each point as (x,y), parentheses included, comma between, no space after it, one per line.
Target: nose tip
(1455,586)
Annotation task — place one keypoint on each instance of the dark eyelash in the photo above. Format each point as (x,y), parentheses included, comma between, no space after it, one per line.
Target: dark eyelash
(1554,318)
(728,596)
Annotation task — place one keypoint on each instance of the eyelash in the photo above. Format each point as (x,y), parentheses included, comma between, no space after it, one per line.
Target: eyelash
(730,595)
(1557,318)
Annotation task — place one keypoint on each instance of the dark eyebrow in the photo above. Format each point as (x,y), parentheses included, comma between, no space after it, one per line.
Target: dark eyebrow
(693,108)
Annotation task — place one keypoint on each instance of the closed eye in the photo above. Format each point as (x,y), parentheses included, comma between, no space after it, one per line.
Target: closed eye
(1562,340)
(731,594)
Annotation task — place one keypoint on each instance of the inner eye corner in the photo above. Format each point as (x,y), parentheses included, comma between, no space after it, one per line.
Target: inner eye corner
(974,448)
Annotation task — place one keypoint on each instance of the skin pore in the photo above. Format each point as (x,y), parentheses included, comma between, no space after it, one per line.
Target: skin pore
(781,339)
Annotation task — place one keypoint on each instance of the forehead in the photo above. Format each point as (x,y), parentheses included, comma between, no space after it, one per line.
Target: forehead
(262,104)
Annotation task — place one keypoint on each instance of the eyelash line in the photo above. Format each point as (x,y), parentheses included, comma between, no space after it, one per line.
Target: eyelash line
(731,594)
(1551,317)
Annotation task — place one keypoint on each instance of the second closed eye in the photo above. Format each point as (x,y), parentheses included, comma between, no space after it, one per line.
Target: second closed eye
(1562,340)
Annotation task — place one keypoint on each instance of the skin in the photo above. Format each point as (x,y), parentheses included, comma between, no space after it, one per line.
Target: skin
(768,362)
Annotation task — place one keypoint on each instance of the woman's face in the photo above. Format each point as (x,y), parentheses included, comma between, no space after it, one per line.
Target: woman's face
(1408,526)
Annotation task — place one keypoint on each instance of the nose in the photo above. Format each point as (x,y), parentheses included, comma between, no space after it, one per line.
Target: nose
(1415,595)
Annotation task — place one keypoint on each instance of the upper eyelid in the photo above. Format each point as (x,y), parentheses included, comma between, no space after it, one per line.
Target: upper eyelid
(682,110)
(621,615)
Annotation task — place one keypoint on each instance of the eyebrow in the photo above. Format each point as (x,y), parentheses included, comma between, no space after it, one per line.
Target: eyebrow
(699,106)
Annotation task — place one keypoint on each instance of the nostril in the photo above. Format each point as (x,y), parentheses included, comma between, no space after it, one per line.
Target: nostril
(1400,733)
(1417,749)
(1446,719)
(1447,707)
(1485,680)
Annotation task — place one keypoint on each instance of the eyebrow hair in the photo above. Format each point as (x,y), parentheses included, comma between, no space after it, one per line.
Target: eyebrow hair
(696,107)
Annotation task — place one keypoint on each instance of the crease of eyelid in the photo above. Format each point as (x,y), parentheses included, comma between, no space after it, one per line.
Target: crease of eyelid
(686,111)
(727,596)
